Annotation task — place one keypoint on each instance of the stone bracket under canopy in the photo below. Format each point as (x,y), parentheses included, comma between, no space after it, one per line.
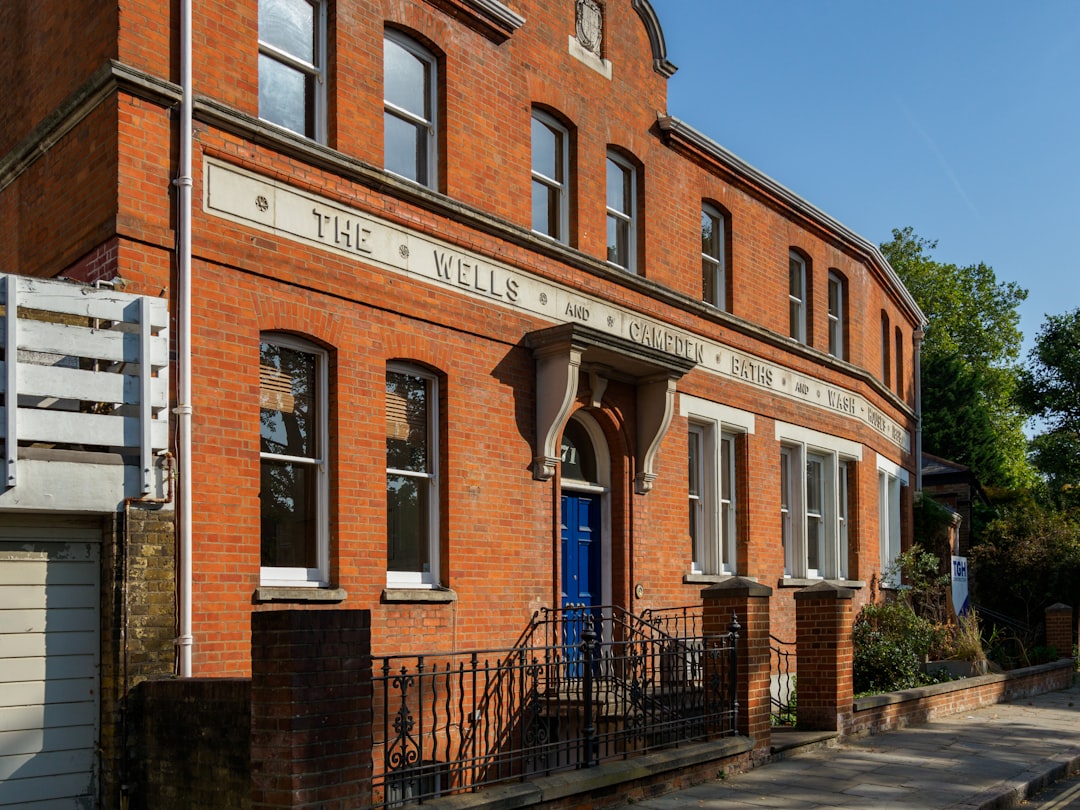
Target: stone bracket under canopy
(565,352)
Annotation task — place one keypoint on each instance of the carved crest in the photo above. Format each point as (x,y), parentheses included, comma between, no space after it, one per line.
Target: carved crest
(590,25)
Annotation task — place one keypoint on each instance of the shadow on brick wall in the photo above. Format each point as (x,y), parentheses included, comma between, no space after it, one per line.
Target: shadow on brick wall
(189,744)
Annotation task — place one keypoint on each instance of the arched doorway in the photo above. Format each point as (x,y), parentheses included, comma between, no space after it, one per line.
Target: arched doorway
(585,515)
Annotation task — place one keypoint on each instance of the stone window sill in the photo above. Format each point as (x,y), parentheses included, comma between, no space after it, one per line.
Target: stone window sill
(796,582)
(436,595)
(710,579)
(277,593)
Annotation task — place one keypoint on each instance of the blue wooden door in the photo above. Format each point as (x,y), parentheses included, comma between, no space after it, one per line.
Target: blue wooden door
(581,576)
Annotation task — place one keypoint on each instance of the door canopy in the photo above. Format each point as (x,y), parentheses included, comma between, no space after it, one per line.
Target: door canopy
(563,353)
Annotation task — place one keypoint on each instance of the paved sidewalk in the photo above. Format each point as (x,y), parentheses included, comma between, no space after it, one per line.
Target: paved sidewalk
(986,758)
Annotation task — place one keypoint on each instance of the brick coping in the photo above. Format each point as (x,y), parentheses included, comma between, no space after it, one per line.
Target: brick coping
(612,777)
(933,690)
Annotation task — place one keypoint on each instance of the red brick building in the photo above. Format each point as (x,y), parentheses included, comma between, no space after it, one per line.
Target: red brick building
(477,324)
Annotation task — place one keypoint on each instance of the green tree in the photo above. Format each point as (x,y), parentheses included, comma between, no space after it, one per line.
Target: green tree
(1027,559)
(1049,389)
(969,361)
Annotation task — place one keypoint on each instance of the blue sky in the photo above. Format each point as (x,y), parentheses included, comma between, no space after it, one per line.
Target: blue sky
(960,118)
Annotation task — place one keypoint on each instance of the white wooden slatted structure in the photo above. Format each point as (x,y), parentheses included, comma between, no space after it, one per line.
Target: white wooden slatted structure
(84,417)
(85,379)
(49,661)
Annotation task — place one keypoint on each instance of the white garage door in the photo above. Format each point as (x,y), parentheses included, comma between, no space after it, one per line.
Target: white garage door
(49,662)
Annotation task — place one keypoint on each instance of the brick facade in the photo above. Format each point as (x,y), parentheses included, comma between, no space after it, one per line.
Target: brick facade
(452,280)
(138,618)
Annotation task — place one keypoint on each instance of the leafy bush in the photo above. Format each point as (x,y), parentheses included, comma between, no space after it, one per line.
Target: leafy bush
(1028,559)
(926,591)
(890,642)
(1044,654)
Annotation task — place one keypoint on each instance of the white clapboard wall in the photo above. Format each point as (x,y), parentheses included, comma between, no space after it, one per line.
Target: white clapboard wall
(49,661)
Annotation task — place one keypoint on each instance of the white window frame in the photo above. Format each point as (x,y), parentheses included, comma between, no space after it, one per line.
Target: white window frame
(318,576)
(429,578)
(886,349)
(729,502)
(843,503)
(788,508)
(797,298)
(626,217)
(713,551)
(799,447)
(703,525)
(898,360)
(560,188)
(317,70)
(714,264)
(891,476)
(836,315)
(819,513)
(430,92)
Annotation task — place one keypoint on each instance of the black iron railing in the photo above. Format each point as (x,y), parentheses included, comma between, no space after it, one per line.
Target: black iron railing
(782,682)
(581,686)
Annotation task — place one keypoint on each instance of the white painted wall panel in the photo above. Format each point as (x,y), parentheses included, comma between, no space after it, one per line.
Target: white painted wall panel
(75,486)
(49,661)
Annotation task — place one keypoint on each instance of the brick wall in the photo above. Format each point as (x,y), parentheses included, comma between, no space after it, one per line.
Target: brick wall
(296,735)
(500,527)
(311,710)
(62,205)
(1059,629)
(189,745)
(97,265)
(48,68)
(747,603)
(825,656)
(106,191)
(878,713)
(138,618)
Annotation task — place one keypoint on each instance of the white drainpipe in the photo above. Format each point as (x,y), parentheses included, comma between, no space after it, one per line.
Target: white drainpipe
(183,307)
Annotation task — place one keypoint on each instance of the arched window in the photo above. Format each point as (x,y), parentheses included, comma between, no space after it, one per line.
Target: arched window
(292,65)
(837,315)
(412,477)
(899,362)
(550,177)
(578,455)
(797,300)
(622,215)
(886,355)
(294,511)
(410,135)
(714,262)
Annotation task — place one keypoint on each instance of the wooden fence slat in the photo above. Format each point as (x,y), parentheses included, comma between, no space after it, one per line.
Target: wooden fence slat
(67,427)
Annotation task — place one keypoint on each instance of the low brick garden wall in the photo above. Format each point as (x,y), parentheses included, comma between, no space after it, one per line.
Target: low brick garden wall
(189,745)
(893,710)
